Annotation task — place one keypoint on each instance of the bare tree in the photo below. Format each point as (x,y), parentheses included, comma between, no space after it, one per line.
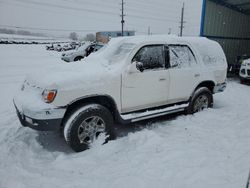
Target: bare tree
(73,36)
(90,37)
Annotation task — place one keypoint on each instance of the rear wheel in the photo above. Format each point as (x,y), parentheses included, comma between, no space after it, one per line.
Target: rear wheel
(202,99)
(85,124)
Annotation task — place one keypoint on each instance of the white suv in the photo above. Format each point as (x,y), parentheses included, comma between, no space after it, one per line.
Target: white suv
(81,52)
(245,70)
(131,79)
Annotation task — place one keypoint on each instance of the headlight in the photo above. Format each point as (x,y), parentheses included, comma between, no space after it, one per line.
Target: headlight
(49,95)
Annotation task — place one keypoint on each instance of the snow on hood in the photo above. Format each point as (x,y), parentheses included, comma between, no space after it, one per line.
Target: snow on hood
(89,71)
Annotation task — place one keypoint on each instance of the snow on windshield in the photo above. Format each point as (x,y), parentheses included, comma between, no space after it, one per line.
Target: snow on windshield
(83,47)
(122,51)
(115,51)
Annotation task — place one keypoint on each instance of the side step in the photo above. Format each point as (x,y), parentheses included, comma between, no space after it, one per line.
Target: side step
(138,116)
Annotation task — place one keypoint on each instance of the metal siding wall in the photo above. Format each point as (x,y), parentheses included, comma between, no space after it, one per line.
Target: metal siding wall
(221,21)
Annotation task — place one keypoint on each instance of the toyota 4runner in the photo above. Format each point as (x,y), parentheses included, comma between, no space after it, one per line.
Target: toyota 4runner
(130,79)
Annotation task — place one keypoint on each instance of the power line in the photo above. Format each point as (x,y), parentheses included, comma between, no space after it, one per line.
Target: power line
(132,7)
(154,5)
(151,18)
(66,7)
(95,11)
(99,4)
(53,11)
(92,10)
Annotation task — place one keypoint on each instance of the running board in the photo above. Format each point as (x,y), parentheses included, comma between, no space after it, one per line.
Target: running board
(138,116)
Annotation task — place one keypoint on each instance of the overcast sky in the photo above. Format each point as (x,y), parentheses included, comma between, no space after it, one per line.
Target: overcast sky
(60,17)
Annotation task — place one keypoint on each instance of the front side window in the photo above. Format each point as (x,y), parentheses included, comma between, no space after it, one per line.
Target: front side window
(150,57)
(181,57)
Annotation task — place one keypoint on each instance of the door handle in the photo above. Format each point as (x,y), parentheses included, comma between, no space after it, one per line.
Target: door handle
(162,79)
(197,75)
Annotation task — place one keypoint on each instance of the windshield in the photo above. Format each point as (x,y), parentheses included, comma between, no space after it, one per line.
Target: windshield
(83,47)
(123,51)
(116,52)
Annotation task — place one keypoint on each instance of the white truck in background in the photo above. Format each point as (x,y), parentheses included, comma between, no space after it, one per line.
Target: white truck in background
(81,52)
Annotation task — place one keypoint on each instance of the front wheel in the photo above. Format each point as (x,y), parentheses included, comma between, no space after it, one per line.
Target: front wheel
(242,80)
(78,58)
(201,99)
(85,124)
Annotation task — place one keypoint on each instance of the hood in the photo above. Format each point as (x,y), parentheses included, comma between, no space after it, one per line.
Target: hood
(69,52)
(91,72)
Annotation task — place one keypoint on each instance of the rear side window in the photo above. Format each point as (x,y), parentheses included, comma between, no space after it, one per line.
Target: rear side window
(181,57)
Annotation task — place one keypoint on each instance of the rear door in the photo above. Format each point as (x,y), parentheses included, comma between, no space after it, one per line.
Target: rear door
(184,73)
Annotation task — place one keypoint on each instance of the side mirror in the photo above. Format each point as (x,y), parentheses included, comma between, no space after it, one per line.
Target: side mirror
(139,66)
(135,67)
(132,68)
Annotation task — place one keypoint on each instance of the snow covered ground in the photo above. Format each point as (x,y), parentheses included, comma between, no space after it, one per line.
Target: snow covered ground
(208,149)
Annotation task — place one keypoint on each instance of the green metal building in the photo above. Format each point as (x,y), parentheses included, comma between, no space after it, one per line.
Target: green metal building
(228,22)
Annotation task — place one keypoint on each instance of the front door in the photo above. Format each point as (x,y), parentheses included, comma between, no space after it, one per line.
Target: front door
(148,86)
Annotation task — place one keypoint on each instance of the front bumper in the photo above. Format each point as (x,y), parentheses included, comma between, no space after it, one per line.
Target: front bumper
(42,120)
(220,87)
(244,76)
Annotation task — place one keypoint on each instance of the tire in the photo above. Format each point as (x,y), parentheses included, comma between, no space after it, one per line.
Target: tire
(201,99)
(78,58)
(242,81)
(83,126)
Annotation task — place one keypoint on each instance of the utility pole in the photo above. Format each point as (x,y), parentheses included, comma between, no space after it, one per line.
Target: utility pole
(182,20)
(122,15)
(149,33)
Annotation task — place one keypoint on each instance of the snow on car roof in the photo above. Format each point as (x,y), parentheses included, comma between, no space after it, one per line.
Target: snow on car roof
(159,38)
(209,51)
